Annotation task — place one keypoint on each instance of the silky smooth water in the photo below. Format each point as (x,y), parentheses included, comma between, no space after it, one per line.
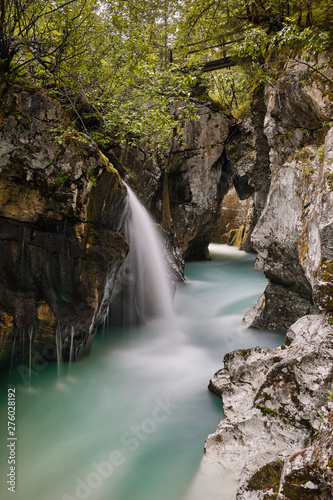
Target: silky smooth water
(153,291)
(130,421)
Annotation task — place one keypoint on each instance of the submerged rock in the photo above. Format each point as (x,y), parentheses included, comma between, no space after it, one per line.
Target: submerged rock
(60,208)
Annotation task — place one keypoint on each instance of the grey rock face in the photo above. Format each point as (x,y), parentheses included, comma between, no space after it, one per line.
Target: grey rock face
(198,178)
(271,310)
(293,234)
(236,216)
(248,152)
(184,188)
(272,401)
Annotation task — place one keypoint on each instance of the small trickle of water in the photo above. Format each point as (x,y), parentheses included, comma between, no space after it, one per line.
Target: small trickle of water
(23,245)
(71,350)
(30,333)
(59,350)
(153,297)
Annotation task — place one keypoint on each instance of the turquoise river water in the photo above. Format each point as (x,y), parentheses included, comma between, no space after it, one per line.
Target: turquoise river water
(129,422)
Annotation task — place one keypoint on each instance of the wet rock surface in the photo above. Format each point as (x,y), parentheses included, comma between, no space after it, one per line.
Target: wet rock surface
(60,208)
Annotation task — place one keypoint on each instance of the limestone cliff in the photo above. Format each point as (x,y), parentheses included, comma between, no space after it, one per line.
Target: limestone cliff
(248,152)
(293,235)
(277,435)
(60,207)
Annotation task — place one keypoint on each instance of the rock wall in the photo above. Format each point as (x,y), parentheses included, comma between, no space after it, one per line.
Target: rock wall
(60,246)
(235,220)
(277,435)
(293,235)
(184,187)
(248,152)
(199,176)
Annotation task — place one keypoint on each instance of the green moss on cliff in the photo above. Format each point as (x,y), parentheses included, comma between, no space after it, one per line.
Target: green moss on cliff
(267,478)
(327,271)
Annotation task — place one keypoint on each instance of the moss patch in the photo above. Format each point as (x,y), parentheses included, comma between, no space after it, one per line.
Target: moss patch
(327,271)
(267,478)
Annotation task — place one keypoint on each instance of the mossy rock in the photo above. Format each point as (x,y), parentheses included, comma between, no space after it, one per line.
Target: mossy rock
(267,478)
(327,271)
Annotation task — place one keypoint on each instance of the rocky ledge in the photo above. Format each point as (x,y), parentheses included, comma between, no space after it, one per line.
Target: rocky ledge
(277,435)
(293,237)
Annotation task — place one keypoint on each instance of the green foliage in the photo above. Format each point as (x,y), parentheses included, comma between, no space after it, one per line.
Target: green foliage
(308,171)
(330,393)
(257,37)
(92,178)
(64,135)
(118,66)
(61,178)
(320,153)
(267,411)
(231,87)
(109,60)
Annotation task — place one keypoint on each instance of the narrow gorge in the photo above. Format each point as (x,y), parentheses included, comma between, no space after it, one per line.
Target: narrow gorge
(158,225)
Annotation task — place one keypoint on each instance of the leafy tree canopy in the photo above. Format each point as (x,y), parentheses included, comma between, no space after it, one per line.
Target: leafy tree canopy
(253,37)
(118,64)
(108,61)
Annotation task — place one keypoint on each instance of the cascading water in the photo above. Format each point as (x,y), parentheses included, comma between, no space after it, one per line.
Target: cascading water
(71,351)
(153,296)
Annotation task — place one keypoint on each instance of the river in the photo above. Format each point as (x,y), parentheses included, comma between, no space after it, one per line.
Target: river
(129,422)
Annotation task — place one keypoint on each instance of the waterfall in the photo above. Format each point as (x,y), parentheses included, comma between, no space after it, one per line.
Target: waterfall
(153,296)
